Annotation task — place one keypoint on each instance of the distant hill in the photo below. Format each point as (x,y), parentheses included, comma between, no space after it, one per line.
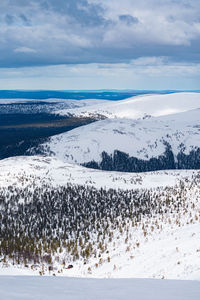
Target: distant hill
(162,132)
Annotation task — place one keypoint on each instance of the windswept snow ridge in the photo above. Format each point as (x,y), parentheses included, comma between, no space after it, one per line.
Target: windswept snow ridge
(138,107)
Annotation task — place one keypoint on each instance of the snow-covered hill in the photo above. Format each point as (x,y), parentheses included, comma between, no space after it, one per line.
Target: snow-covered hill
(154,219)
(172,140)
(26,170)
(137,107)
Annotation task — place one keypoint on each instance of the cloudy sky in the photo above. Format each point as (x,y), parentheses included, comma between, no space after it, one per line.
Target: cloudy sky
(99,44)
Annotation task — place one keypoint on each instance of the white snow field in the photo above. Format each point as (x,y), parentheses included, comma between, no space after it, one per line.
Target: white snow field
(47,288)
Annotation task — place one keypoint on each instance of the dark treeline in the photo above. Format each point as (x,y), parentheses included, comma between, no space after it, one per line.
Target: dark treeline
(121,161)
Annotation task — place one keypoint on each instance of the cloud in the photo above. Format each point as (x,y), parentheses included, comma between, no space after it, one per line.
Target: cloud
(128,19)
(138,73)
(25,20)
(9,19)
(97,31)
(143,73)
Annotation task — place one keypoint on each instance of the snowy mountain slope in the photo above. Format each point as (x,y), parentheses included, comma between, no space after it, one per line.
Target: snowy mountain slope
(137,107)
(142,139)
(173,253)
(164,226)
(22,171)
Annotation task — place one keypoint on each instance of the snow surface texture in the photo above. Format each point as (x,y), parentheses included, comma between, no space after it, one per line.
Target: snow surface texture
(28,288)
(143,139)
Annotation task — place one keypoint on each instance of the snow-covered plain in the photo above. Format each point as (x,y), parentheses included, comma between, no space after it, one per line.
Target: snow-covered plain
(29,288)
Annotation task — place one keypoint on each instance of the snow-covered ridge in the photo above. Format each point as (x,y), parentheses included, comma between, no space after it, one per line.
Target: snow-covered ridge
(26,170)
(137,107)
(143,139)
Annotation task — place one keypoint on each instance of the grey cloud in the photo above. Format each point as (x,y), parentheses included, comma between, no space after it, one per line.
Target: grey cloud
(81,31)
(25,20)
(81,11)
(9,19)
(128,19)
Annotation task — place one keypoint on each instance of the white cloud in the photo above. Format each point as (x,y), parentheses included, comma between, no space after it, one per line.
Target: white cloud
(160,22)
